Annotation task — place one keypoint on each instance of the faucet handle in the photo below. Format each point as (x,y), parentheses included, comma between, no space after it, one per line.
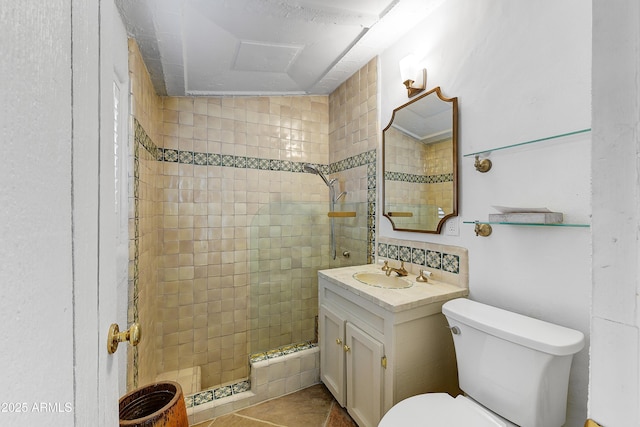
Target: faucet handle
(423,276)
(385,267)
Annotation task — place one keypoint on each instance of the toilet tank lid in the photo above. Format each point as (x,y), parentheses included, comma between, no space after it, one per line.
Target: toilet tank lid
(527,331)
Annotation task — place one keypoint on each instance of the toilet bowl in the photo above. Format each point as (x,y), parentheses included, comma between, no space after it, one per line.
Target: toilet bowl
(441,410)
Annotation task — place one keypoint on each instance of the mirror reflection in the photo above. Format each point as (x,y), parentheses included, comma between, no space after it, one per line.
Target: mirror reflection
(419,167)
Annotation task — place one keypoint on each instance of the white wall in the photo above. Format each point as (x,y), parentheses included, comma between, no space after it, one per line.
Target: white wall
(615,356)
(521,71)
(36,362)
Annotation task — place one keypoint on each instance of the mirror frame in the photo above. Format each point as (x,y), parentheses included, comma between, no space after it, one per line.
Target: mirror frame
(454,137)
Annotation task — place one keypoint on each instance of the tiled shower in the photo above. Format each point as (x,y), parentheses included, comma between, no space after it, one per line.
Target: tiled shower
(228,232)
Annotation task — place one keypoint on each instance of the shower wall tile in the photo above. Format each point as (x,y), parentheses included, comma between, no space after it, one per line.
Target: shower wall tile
(145,217)
(221,164)
(224,160)
(353,140)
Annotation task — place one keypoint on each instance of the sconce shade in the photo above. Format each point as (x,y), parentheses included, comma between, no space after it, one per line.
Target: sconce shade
(408,68)
(414,79)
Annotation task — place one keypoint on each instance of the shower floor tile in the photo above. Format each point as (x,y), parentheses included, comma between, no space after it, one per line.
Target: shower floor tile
(311,407)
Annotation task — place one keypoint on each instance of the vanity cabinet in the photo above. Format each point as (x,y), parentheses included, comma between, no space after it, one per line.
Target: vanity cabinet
(374,354)
(351,367)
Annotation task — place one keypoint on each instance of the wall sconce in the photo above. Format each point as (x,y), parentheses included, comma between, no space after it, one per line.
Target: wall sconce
(413,78)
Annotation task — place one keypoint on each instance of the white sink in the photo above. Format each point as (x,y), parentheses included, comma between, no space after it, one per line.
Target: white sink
(382,280)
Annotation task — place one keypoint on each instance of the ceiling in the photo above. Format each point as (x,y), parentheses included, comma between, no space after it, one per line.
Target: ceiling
(263,47)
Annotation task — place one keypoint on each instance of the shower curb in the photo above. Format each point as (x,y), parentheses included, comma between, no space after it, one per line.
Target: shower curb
(278,374)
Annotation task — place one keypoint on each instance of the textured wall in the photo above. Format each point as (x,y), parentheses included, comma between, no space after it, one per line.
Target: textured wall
(614,389)
(36,212)
(520,72)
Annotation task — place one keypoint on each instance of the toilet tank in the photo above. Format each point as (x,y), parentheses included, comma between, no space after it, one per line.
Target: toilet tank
(515,365)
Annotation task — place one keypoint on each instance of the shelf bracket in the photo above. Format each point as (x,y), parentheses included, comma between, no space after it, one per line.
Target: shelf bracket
(483,229)
(483,165)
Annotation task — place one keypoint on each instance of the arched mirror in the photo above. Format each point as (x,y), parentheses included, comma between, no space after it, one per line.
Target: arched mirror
(420,163)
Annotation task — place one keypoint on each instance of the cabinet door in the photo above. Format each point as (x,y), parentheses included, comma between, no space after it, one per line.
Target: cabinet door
(331,340)
(364,376)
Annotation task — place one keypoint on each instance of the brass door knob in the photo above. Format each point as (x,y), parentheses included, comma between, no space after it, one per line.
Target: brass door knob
(338,341)
(347,348)
(115,337)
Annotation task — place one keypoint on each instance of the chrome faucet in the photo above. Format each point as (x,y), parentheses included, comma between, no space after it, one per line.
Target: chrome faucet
(399,271)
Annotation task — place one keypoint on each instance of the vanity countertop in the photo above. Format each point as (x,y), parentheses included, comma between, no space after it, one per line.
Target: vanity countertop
(394,300)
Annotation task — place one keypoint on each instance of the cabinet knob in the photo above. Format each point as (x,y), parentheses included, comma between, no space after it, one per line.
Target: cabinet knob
(347,348)
(338,341)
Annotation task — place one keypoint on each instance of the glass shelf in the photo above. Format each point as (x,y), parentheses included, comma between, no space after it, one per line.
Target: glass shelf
(562,224)
(506,147)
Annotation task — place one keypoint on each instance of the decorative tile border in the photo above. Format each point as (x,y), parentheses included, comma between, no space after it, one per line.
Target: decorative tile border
(217,393)
(418,179)
(141,137)
(432,259)
(281,351)
(242,162)
(366,158)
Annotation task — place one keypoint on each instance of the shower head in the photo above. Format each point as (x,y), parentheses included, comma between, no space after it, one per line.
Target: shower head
(309,168)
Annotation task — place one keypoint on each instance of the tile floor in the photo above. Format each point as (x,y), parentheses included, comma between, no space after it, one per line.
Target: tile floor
(310,407)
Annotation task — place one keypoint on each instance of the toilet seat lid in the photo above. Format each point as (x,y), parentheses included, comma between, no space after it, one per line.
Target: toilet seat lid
(439,410)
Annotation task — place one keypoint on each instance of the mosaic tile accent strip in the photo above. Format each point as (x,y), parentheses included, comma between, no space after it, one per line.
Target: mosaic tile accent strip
(211,159)
(361,159)
(281,351)
(431,259)
(141,137)
(418,179)
(217,393)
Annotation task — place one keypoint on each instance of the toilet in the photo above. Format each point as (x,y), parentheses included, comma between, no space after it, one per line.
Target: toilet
(513,369)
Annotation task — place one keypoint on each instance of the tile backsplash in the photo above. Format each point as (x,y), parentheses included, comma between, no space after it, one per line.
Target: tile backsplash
(447,263)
